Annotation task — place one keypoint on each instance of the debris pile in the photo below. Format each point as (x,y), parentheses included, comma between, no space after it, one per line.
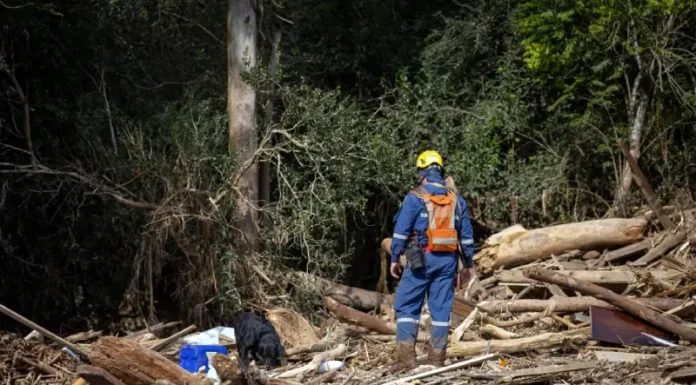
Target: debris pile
(593,302)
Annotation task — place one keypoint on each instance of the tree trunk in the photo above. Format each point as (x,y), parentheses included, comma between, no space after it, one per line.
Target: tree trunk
(634,137)
(599,277)
(265,177)
(241,109)
(137,365)
(516,246)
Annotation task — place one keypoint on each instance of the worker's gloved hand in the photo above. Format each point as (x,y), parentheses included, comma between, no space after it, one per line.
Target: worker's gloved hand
(396,270)
(464,276)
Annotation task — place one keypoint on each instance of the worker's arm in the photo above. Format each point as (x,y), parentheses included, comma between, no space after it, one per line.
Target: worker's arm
(466,235)
(403,225)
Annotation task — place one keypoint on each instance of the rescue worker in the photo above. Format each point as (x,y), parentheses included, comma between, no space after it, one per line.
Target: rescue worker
(431,228)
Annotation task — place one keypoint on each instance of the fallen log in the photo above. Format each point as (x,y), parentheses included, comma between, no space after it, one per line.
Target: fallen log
(541,341)
(617,300)
(600,277)
(350,296)
(670,242)
(516,246)
(568,305)
(355,317)
(136,365)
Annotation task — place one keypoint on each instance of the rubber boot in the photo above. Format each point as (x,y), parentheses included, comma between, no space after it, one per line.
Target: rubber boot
(436,357)
(406,359)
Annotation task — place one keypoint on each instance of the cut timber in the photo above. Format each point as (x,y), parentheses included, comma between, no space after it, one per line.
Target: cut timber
(568,305)
(668,244)
(517,246)
(628,251)
(599,277)
(638,310)
(136,365)
(355,317)
(541,341)
(349,296)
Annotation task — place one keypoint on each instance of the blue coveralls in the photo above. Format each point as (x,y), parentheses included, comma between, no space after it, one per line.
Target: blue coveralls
(437,278)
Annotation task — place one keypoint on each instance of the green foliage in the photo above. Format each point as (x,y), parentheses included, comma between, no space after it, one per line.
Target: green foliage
(525,99)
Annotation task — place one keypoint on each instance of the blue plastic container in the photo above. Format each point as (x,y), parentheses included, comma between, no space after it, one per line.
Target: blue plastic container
(192,357)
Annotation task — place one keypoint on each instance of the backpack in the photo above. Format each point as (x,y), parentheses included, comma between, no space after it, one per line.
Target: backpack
(442,234)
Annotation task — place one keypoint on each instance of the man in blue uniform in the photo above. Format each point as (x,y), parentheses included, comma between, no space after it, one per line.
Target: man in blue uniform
(431,241)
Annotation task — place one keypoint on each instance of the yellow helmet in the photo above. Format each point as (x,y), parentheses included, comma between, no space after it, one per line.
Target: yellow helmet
(428,158)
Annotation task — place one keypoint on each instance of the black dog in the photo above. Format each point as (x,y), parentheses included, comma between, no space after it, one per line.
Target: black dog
(257,340)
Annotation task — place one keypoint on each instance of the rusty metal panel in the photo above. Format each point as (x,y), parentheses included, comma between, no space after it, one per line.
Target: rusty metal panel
(618,327)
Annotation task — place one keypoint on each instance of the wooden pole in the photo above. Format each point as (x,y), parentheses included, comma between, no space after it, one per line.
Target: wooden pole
(617,300)
(645,187)
(26,322)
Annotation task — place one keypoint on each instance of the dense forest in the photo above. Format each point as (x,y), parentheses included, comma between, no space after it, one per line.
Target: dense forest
(173,159)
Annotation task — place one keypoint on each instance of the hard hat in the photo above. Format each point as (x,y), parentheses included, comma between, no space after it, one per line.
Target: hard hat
(428,158)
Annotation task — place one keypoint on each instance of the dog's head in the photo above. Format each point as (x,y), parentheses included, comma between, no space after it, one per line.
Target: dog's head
(272,352)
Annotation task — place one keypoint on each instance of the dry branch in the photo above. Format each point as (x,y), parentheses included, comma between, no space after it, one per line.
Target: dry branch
(617,300)
(169,340)
(317,360)
(30,324)
(498,332)
(642,182)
